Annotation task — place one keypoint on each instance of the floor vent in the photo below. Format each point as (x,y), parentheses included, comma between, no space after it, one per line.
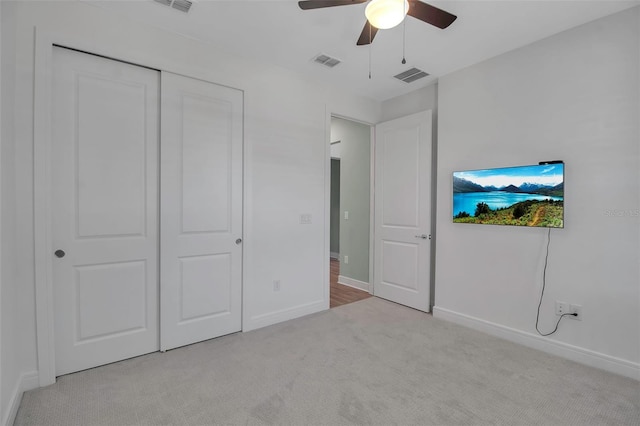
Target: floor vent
(326,60)
(411,75)
(181,5)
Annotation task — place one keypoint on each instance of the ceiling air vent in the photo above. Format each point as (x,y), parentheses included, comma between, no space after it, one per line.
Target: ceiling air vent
(181,5)
(326,60)
(411,75)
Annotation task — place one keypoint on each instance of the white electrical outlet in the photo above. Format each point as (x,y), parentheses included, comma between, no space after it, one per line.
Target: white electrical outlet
(346,259)
(346,215)
(575,309)
(276,285)
(562,308)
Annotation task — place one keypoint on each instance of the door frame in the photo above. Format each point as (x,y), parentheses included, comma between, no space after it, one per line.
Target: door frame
(329,113)
(333,112)
(42,103)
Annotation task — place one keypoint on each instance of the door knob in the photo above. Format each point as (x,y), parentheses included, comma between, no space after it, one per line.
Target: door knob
(59,253)
(423,236)
(239,240)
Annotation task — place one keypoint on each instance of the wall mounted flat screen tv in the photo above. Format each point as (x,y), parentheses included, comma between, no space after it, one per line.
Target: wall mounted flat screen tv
(520,196)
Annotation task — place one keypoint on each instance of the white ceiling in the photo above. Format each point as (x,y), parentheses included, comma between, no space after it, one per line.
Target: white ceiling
(279,32)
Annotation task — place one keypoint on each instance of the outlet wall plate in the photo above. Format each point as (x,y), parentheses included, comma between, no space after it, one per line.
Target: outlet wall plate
(566,308)
(576,309)
(562,308)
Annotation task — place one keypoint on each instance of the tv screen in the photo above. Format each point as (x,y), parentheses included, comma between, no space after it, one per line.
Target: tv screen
(520,196)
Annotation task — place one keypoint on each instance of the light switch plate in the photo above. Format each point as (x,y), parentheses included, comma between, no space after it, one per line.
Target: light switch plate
(305,219)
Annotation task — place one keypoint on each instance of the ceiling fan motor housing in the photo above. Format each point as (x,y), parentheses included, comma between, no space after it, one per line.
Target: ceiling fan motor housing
(385,14)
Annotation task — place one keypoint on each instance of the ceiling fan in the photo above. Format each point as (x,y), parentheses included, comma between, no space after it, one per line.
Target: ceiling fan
(384,14)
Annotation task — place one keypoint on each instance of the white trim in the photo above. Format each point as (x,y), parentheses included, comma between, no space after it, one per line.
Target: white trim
(247,190)
(275,317)
(26,382)
(42,207)
(372,205)
(351,282)
(564,350)
(326,261)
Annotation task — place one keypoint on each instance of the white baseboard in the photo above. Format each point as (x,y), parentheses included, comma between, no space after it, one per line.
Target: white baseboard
(360,285)
(564,350)
(334,255)
(271,318)
(26,381)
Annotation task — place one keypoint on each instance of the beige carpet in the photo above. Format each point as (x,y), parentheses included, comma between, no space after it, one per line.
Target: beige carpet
(371,362)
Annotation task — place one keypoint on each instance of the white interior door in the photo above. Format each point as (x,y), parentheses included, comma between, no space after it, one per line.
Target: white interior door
(104,205)
(402,210)
(201,210)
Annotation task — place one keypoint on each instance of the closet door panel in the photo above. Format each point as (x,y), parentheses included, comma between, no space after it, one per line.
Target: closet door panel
(201,210)
(104,210)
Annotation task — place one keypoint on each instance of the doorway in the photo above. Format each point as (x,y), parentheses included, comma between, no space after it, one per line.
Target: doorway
(400,222)
(350,211)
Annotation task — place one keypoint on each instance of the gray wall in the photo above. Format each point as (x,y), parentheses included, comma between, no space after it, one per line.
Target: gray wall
(572,97)
(355,162)
(12,363)
(419,100)
(334,243)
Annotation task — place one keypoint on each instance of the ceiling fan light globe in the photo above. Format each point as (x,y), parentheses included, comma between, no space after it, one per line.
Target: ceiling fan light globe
(385,14)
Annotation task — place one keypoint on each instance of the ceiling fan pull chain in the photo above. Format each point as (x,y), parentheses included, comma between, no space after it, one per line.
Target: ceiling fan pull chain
(404,35)
(370,50)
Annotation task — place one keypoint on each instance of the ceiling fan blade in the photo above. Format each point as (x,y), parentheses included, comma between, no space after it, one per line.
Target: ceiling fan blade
(318,4)
(367,37)
(430,14)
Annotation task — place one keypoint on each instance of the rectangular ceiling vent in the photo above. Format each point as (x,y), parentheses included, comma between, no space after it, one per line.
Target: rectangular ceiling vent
(326,60)
(411,75)
(181,5)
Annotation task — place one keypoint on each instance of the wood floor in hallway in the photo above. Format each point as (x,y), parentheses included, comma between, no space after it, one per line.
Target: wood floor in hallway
(342,294)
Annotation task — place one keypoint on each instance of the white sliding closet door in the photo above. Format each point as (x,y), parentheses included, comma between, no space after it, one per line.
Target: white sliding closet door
(104,210)
(201,210)
(118,207)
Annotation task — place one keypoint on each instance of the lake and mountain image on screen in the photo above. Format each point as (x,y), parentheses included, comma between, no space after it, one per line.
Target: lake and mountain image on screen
(521,196)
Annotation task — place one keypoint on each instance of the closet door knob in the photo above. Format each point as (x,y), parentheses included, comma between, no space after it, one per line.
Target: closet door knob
(59,253)
(239,240)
